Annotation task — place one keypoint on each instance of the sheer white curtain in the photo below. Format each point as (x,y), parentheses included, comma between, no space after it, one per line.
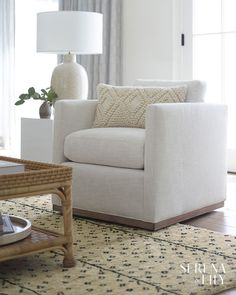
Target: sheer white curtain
(7,45)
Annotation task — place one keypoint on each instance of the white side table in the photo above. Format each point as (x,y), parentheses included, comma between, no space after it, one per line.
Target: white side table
(36,139)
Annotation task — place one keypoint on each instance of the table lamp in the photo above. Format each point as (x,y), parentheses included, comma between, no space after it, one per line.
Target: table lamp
(69,33)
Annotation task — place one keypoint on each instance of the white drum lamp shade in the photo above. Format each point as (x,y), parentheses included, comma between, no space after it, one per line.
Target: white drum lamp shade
(70,33)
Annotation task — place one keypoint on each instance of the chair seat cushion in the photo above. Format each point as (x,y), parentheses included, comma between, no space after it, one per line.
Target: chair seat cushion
(117,147)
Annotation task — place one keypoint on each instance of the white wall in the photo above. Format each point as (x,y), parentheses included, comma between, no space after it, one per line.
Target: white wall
(147,31)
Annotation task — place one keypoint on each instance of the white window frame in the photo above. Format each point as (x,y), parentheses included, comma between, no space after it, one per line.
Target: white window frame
(183,55)
(182,24)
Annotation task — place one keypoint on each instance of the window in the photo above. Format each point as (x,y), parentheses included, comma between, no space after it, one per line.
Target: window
(213,59)
(31,68)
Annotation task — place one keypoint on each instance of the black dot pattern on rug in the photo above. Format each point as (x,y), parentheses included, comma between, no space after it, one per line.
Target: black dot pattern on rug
(113,259)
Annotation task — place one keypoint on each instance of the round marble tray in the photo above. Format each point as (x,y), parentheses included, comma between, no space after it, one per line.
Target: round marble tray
(22,229)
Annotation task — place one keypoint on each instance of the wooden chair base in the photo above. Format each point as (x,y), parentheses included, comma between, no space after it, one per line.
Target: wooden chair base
(140,223)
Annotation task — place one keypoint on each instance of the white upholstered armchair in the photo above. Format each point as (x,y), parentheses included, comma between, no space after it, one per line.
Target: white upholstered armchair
(172,170)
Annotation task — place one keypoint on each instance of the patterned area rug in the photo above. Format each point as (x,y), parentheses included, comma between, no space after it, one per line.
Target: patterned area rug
(113,259)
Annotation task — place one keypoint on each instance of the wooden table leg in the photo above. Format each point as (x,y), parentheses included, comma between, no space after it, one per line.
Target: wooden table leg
(69,260)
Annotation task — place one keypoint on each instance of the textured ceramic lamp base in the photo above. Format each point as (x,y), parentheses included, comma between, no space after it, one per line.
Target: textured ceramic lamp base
(70,80)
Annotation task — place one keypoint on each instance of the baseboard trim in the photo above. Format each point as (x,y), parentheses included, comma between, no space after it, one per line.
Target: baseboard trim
(139,223)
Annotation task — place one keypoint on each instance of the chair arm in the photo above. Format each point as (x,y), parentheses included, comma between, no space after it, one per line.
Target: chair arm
(185,158)
(70,116)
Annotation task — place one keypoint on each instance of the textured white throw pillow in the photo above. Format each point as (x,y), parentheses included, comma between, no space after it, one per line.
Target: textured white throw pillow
(121,106)
(196,88)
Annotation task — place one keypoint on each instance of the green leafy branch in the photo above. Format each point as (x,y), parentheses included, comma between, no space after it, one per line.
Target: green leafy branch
(48,95)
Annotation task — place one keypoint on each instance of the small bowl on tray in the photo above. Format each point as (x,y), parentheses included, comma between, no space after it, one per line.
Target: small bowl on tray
(22,229)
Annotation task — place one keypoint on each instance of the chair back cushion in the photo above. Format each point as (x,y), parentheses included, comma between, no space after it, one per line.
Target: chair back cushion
(195,92)
(122,106)
(116,147)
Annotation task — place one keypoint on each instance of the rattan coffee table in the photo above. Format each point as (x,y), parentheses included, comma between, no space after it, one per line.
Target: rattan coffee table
(40,179)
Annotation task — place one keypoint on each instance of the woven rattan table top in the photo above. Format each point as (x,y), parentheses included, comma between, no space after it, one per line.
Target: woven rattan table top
(35,174)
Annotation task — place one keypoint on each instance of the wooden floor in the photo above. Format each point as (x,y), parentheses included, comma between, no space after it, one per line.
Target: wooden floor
(221,220)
